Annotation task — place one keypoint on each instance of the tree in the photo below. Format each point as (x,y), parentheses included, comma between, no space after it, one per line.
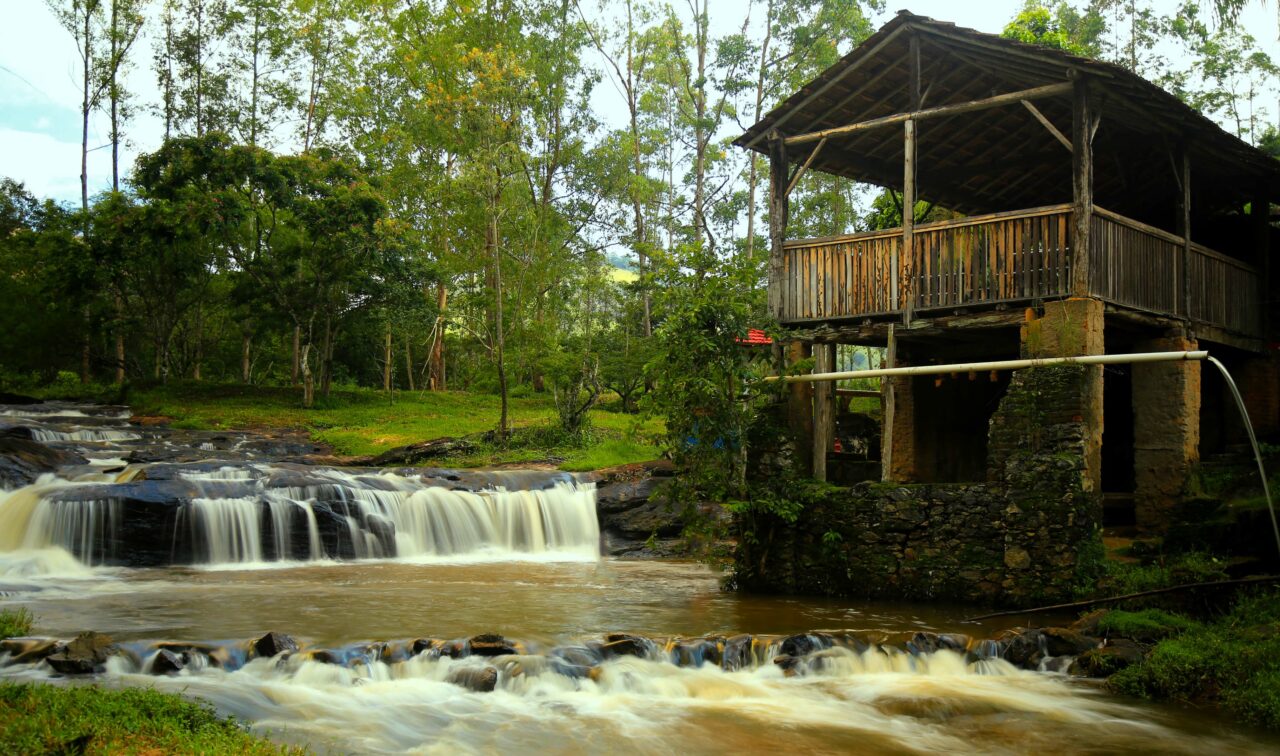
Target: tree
(1060,26)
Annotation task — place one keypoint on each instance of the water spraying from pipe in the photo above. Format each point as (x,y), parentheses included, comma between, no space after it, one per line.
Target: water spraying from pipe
(1253,440)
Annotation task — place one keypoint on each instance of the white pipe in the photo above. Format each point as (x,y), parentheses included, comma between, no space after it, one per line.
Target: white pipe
(964,367)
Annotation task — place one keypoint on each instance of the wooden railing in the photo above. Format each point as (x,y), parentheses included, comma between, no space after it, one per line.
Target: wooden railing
(1139,266)
(1015,257)
(1004,257)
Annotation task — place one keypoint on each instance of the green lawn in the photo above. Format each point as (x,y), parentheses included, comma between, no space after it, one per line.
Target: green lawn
(362,421)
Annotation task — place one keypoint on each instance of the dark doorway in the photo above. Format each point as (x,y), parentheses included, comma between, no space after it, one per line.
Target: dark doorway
(1117,429)
(952,418)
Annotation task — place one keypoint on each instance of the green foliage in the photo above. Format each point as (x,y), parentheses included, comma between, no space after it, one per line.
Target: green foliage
(1234,661)
(15,623)
(1060,26)
(54,719)
(1144,625)
(707,384)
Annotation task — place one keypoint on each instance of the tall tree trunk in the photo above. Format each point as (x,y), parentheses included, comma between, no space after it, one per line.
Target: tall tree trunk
(119,303)
(297,355)
(308,379)
(499,345)
(195,372)
(326,365)
(436,381)
(408,361)
(386,360)
(114,93)
(86,346)
(246,352)
(753,175)
(86,105)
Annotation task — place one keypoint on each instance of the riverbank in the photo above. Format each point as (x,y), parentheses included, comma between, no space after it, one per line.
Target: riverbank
(39,718)
(361,422)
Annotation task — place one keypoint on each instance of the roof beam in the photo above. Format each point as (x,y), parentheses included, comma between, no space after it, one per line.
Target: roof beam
(1047,124)
(777,123)
(1051,90)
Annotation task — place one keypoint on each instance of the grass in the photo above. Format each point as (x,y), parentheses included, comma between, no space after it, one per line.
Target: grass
(1146,625)
(1233,661)
(367,422)
(37,718)
(15,623)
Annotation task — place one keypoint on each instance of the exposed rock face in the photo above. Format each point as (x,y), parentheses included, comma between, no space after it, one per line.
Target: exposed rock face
(475,679)
(22,460)
(167,662)
(273,644)
(1108,659)
(413,454)
(490,644)
(636,517)
(84,655)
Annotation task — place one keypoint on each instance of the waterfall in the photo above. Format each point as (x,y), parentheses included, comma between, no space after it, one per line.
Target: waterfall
(255,513)
(44,435)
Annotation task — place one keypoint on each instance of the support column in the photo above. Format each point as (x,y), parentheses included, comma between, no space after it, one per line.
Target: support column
(897,433)
(1082,123)
(824,419)
(778,212)
(1166,429)
(1184,230)
(1071,328)
(908,259)
(800,410)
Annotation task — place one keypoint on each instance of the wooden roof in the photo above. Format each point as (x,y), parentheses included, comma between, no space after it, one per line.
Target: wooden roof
(1003,158)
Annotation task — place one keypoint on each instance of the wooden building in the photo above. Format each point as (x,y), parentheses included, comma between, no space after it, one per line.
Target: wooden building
(1099,213)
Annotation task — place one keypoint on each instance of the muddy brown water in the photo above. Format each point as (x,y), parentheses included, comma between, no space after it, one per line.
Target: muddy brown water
(871,703)
(480,562)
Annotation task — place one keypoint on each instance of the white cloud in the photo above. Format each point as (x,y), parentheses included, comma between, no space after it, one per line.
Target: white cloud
(49,167)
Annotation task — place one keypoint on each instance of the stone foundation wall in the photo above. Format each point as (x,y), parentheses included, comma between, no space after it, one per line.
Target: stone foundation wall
(1021,538)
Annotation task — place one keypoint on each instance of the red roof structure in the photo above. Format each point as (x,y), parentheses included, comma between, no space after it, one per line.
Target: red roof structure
(755,337)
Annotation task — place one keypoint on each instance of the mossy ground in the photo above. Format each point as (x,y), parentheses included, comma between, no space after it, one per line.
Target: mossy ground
(1233,660)
(357,421)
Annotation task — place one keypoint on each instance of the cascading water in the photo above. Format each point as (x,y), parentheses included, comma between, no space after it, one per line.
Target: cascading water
(259,513)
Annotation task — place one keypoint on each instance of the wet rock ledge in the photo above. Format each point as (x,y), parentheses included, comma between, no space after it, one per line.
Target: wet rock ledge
(482,663)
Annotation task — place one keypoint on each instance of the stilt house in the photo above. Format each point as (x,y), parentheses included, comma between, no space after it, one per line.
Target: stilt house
(1099,212)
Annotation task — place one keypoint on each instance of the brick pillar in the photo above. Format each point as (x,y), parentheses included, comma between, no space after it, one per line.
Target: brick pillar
(1166,430)
(902,459)
(1258,379)
(1071,328)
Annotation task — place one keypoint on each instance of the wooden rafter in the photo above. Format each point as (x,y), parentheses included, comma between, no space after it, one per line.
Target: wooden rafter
(1008,98)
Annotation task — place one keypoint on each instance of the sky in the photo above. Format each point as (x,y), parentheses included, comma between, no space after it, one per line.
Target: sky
(40,93)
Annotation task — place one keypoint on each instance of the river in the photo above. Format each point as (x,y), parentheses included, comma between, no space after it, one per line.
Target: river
(383,667)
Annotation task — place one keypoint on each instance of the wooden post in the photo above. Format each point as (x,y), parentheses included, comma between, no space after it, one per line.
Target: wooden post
(778,207)
(1081,184)
(1184,229)
(909,184)
(1260,220)
(886,409)
(824,422)
(800,410)
(908,222)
